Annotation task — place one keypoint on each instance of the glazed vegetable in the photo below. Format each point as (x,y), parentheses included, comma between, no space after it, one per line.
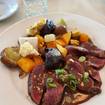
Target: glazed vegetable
(37,60)
(75,33)
(60,30)
(26,64)
(51,44)
(10,56)
(66,38)
(53,59)
(62,50)
(74,42)
(40,41)
(48,28)
(60,42)
(84,37)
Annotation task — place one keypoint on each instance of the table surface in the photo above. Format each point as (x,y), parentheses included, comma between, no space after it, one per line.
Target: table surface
(93,9)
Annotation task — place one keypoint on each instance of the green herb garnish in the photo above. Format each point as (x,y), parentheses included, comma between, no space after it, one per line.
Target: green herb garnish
(63,78)
(82,59)
(71,77)
(50,80)
(85,77)
(50,83)
(73,82)
(62,22)
(59,71)
(73,85)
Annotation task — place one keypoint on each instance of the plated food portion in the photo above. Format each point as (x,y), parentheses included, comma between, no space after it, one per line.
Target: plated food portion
(63,64)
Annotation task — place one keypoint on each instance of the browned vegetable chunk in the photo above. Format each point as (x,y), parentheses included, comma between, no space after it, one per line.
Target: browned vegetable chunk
(60,30)
(10,56)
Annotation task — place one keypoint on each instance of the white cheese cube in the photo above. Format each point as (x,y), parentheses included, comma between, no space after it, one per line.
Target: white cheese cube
(32,40)
(49,37)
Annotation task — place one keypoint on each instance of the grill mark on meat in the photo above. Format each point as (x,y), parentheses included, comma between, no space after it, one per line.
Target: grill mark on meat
(34,88)
(41,100)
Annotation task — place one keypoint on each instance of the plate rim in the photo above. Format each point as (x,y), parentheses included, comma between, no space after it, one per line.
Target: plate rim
(3,17)
(47,14)
(22,21)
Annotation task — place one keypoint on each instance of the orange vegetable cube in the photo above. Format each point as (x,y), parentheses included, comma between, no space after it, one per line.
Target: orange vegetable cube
(51,44)
(61,42)
(40,41)
(66,38)
(38,60)
(26,64)
(84,37)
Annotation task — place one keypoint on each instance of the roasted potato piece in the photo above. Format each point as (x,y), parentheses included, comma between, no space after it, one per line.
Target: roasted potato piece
(26,64)
(80,97)
(60,30)
(10,56)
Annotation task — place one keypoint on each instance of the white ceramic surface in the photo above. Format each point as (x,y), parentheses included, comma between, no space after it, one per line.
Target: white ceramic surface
(13,91)
(7,8)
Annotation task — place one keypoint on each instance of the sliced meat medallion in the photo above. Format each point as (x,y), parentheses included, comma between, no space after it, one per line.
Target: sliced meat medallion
(94,74)
(74,66)
(93,50)
(53,95)
(85,87)
(36,83)
(77,50)
(95,62)
(86,48)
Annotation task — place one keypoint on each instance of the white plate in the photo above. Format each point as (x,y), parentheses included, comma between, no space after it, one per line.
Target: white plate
(13,91)
(7,8)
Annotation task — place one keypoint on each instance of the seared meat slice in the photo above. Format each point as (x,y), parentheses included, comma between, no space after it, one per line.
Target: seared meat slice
(36,83)
(75,98)
(93,50)
(85,87)
(94,74)
(86,48)
(95,62)
(77,50)
(74,66)
(53,95)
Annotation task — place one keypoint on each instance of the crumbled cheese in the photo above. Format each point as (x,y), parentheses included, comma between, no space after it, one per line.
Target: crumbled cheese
(49,37)
(32,40)
(33,30)
(27,49)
